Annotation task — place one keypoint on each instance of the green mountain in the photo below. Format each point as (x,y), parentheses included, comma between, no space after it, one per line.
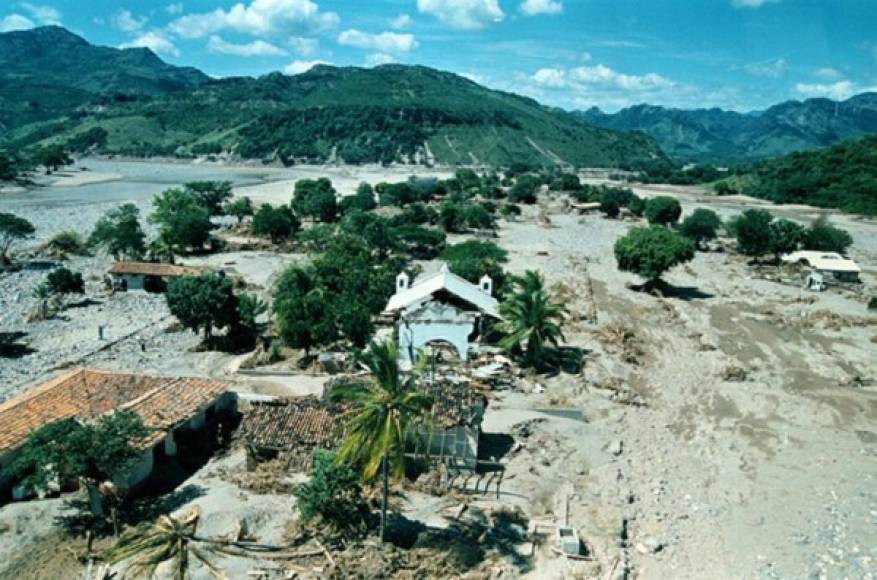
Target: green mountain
(388,113)
(48,72)
(714,135)
(843,176)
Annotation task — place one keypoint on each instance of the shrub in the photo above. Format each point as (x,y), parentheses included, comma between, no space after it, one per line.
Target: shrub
(239,207)
(332,493)
(509,210)
(663,210)
(67,242)
(872,303)
(364,199)
(63,281)
(651,251)
(278,223)
(524,190)
(752,230)
(478,217)
(451,217)
(12,229)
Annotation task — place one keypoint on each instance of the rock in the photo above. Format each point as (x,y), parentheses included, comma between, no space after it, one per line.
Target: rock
(616,447)
(649,545)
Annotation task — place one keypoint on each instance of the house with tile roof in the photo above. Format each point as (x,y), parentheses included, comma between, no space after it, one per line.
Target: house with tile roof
(150,276)
(440,308)
(168,406)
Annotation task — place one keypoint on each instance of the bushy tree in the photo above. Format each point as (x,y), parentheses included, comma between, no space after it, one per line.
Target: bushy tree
(824,237)
(752,229)
(301,309)
(69,450)
(12,230)
(333,492)
(67,242)
(250,308)
(278,223)
(566,182)
(451,217)
(478,217)
(701,226)
(363,199)
(651,251)
(473,259)
(118,233)
(315,198)
(8,166)
(785,237)
(210,194)
(63,281)
(204,302)
(663,210)
(239,207)
(184,223)
(525,189)
(52,157)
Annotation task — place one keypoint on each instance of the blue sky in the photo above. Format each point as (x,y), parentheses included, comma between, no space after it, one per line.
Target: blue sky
(738,54)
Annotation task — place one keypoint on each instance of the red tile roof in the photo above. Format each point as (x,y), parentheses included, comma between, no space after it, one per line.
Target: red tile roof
(162,402)
(155,269)
(290,423)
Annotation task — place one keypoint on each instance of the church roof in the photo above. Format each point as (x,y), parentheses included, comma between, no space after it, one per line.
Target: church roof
(422,291)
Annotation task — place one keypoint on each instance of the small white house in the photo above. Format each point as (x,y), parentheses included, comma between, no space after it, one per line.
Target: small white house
(827,265)
(441,307)
(149,276)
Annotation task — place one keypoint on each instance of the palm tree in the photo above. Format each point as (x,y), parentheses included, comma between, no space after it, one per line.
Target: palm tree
(530,318)
(168,539)
(381,413)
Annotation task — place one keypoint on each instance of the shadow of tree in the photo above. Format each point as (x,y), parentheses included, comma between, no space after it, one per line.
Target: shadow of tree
(10,347)
(662,289)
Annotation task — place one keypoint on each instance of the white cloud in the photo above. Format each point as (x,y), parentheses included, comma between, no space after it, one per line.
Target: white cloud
(474,77)
(15,22)
(772,69)
(463,14)
(255,48)
(751,3)
(303,46)
(257,18)
(174,9)
(154,40)
(42,14)
(297,67)
(379,58)
(838,91)
(585,86)
(401,21)
(127,22)
(383,42)
(534,7)
(828,73)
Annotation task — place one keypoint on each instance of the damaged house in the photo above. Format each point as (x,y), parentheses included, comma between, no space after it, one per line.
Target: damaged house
(174,408)
(149,276)
(440,308)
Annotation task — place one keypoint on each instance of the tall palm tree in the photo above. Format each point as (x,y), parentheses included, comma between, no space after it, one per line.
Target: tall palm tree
(381,413)
(531,318)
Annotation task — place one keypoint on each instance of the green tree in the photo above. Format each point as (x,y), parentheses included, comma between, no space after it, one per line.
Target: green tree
(52,157)
(651,251)
(239,207)
(118,233)
(184,223)
(333,492)
(824,237)
(478,217)
(701,226)
(525,189)
(381,415)
(278,223)
(451,217)
(12,230)
(8,166)
(210,194)
(531,319)
(663,210)
(203,302)
(785,237)
(473,259)
(67,242)
(566,182)
(63,281)
(753,232)
(250,308)
(364,199)
(300,309)
(315,198)
(69,450)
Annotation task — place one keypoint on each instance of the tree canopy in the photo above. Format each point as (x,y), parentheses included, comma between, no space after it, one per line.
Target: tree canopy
(531,318)
(753,233)
(473,259)
(12,229)
(184,223)
(701,226)
(118,232)
(663,210)
(278,223)
(210,194)
(204,302)
(651,251)
(315,198)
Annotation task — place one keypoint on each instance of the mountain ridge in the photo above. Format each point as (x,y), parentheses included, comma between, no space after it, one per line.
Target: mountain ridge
(717,135)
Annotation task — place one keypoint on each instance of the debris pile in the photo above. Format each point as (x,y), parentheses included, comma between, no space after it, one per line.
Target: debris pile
(620,338)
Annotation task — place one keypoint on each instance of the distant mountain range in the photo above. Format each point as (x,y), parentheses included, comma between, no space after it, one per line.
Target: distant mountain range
(715,135)
(56,87)
(49,71)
